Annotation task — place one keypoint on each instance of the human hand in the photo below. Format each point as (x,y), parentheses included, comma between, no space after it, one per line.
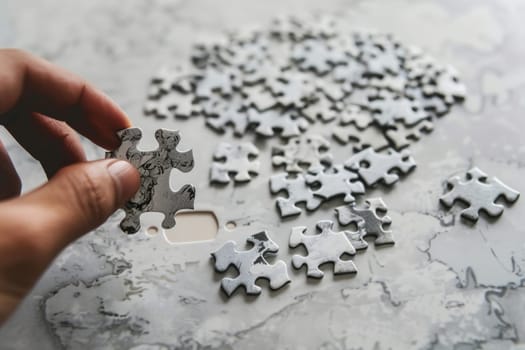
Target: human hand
(41,105)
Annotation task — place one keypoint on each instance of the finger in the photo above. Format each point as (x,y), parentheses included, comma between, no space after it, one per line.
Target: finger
(77,199)
(50,141)
(10,185)
(31,84)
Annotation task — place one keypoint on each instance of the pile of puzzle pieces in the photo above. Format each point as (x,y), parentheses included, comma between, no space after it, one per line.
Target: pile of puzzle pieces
(369,92)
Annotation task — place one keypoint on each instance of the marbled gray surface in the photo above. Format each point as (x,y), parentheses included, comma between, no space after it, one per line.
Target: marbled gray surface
(444,285)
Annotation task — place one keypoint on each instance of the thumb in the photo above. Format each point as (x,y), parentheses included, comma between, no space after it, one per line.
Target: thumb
(77,199)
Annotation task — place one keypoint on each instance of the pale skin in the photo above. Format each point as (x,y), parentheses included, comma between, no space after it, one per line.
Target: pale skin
(43,107)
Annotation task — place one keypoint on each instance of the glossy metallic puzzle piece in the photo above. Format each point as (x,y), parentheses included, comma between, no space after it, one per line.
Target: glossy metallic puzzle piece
(479,192)
(251,265)
(155,194)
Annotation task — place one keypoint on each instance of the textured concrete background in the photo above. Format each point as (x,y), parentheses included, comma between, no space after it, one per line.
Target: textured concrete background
(444,285)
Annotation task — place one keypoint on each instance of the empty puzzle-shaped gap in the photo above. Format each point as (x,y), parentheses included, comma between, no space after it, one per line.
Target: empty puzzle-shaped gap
(192,226)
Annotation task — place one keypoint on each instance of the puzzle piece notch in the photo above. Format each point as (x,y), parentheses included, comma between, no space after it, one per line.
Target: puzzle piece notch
(237,162)
(154,194)
(309,150)
(298,192)
(335,181)
(251,265)
(323,247)
(480,193)
(374,167)
(368,220)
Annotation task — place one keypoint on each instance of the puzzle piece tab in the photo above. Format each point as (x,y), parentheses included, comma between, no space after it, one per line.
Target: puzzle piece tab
(155,194)
(251,265)
(480,193)
(373,167)
(325,246)
(234,160)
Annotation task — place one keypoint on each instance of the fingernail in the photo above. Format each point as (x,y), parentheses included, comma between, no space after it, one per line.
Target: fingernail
(126,179)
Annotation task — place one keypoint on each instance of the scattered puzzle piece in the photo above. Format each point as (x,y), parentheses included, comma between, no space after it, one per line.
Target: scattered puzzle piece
(251,265)
(312,151)
(321,108)
(172,105)
(360,139)
(155,166)
(373,167)
(222,114)
(356,115)
(389,108)
(401,136)
(368,220)
(479,192)
(318,56)
(270,121)
(336,181)
(298,192)
(325,246)
(236,162)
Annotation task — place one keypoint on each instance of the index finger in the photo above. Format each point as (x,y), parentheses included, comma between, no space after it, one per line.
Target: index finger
(31,84)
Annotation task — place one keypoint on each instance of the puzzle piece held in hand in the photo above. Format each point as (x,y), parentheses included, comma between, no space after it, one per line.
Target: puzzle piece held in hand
(368,220)
(298,192)
(479,192)
(336,181)
(155,194)
(251,265)
(234,159)
(373,167)
(309,150)
(325,246)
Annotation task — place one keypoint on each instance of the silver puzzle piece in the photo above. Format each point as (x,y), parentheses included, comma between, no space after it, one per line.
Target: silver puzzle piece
(269,121)
(320,107)
(373,167)
(309,150)
(251,265)
(401,136)
(172,105)
(447,85)
(356,115)
(234,159)
(336,181)
(168,79)
(155,194)
(479,192)
(222,81)
(298,192)
(318,55)
(325,246)
(360,139)
(224,113)
(293,90)
(390,108)
(368,220)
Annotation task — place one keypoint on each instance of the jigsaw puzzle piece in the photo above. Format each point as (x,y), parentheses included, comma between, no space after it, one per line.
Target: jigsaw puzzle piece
(234,160)
(335,181)
(322,247)
(480,193)
(251,265)
(374,167)
(309,150)
(368,220)
(154,167)
(298,192)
